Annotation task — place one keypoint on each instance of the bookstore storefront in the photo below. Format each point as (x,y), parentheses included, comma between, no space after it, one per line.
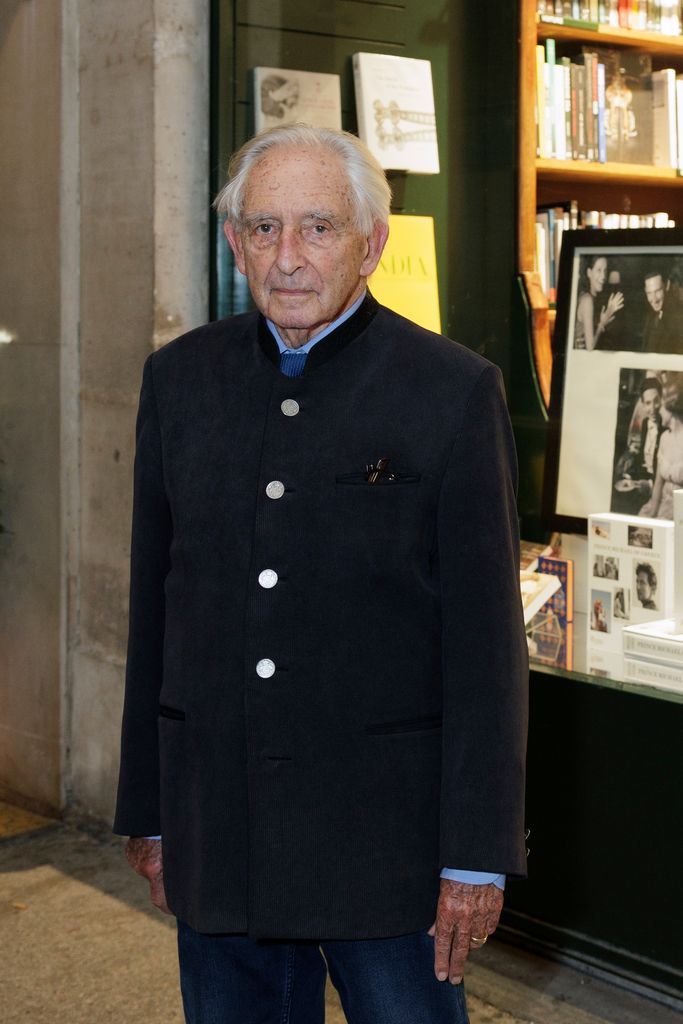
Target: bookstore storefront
(604,759)
(515,126)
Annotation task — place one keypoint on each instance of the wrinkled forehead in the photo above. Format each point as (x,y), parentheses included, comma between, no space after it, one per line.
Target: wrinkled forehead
(298,181)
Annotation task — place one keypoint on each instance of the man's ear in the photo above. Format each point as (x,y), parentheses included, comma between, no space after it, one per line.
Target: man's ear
(235,242)
(376,241)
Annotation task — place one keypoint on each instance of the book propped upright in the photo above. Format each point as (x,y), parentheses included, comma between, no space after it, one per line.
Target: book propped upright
(628,116)
(562,601)
(395,109)
(630,576)
(551,630)
(405,279)
(283,96)
(654,650)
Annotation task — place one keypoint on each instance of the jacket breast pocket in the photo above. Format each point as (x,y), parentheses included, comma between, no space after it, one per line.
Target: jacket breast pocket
(392,480)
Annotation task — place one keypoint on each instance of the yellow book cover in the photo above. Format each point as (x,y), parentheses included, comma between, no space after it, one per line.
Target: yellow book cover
(405,279)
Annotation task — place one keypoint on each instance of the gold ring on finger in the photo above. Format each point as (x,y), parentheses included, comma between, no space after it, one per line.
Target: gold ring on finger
(478,941)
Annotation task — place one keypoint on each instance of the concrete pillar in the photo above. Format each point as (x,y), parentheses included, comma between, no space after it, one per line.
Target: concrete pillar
(104,109)
(30,722)
(144,112)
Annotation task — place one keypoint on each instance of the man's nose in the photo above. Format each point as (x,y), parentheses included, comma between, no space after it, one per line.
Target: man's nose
(290,250)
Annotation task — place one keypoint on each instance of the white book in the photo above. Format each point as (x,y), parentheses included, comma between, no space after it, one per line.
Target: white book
(536,589)
(664,145)
(396,114)
(665,677)
(558,113)
(679,122)
(630,575)
(542,256)
(655,641)
(678,559)
(285,96)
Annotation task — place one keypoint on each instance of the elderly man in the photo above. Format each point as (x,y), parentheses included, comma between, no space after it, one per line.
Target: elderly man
(325,715)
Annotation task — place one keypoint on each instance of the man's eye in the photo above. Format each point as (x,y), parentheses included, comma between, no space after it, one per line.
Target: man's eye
(263,229)
(320,229)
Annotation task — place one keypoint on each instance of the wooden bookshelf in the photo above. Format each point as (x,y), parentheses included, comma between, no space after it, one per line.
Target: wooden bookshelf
(631,188)
(628,174)
(654,42)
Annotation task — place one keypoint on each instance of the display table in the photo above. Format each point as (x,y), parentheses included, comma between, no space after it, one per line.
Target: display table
(605,670)
(604,809)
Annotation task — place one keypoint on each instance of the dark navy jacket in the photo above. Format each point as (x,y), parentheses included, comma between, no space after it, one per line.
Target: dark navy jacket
(315,751)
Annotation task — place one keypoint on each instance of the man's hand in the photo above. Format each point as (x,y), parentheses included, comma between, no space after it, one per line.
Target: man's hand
(144,856)
(465,913)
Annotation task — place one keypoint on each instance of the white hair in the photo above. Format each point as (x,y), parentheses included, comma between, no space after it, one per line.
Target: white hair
(370,190)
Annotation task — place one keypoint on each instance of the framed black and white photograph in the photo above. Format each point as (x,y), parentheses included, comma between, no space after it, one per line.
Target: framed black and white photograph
(615,435)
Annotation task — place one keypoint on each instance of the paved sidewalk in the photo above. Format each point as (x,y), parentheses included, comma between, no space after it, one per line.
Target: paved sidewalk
(79,943)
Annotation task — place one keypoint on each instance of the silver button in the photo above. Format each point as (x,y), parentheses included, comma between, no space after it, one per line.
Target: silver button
(275,489)
(265,668)
(290,407)
(267,578)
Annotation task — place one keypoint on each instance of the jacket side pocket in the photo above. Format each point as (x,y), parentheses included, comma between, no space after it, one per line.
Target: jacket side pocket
(174,713)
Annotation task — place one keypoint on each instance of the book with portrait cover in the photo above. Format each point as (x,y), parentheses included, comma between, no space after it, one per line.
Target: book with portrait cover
(283,96)
(630,575)
(405,279)
(662,640)
(395,110)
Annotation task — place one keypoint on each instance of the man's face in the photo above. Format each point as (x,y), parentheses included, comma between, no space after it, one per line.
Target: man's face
(654,292)
(304,260)
(652,402)
(643,588)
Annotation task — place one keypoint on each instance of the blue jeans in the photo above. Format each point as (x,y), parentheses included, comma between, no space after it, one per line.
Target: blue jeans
(230,979)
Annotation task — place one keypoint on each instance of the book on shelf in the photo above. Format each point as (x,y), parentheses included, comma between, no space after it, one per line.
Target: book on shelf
(598,104)
(285,96)
(627,109)
(663,16)
(406,279)
(679,121)
(664,119)
(395,110)
(630,575)
(553,220)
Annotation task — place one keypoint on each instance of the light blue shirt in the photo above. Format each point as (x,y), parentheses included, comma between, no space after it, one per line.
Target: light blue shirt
(454,874)
(323,334)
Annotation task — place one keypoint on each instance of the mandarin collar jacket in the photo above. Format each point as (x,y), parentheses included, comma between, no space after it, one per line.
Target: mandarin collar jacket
(326,679)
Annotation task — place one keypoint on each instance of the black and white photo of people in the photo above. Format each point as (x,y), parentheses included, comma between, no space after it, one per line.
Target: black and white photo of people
(629,302)
(648,443)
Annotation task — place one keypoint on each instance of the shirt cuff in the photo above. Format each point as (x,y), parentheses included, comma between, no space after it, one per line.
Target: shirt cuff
(152,837)
(474,877)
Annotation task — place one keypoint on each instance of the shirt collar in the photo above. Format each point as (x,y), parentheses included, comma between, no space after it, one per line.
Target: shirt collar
(323,334)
